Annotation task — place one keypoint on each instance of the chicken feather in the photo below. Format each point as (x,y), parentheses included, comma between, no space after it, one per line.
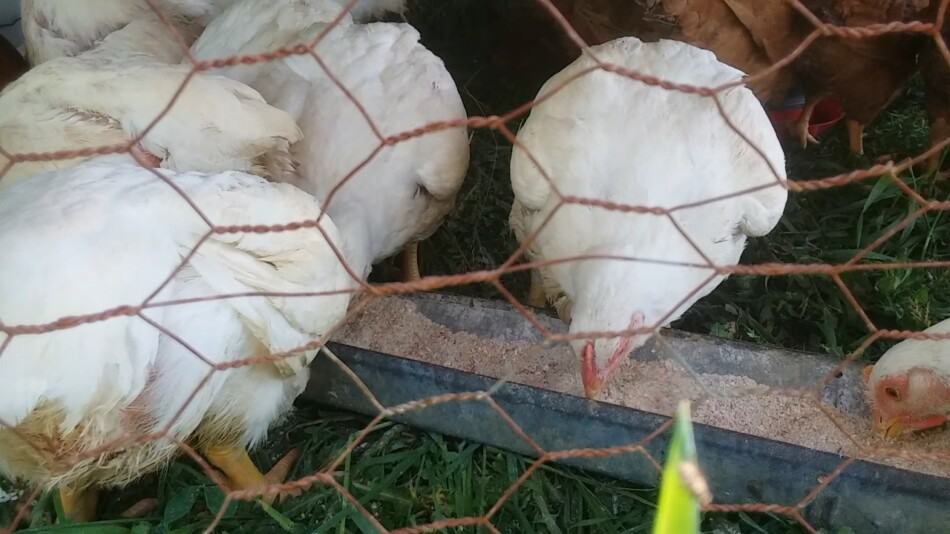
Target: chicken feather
(405,191)
(610,138)
(93,374)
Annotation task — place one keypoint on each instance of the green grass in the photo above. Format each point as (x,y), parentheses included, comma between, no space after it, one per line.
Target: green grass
(408,477)
(405,477)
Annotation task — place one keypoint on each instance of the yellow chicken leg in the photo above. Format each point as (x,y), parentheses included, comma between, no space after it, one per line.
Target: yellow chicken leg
(565,308)
(243,474)
(855,137)
(536,296)
(410,262)
(79,506)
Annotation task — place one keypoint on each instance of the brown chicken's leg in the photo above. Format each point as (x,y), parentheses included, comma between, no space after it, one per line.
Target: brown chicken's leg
(939,132)
(79,506)
(804,120)
(410,262)
(855,137)
(933,167)
(243,474)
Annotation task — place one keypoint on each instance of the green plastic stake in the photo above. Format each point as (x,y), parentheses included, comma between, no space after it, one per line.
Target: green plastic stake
(683,487)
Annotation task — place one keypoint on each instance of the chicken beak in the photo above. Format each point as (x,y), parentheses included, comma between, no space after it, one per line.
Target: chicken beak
(589,374)
(888,428)
(591,391)
(894,427)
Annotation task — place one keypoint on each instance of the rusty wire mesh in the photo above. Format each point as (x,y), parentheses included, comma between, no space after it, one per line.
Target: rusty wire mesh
(367,291)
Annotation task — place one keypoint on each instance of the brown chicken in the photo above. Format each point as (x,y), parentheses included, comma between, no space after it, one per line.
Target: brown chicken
(935,72)
(12,63)
(599,21)
(864,75)
(544,47)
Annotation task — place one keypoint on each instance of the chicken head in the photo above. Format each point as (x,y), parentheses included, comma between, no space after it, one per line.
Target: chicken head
(595,370)
(909,388)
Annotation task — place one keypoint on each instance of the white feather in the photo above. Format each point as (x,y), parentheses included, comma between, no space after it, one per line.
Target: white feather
(401,86)
(604,136)
(110,94)
(919,353)
(57,28)
(110,233)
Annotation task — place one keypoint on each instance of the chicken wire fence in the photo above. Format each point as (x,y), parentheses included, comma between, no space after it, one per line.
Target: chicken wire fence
(365,292)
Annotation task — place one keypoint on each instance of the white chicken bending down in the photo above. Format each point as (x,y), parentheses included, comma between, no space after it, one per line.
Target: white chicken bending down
(404,192)
(607,137)
(57,28)
(111,233)
(110,94)
(909,387)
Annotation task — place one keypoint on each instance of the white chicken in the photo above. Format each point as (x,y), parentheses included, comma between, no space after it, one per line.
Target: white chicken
(614,139)
(405,191)
(108,95)
(909,386)
(111,233)
(54,28)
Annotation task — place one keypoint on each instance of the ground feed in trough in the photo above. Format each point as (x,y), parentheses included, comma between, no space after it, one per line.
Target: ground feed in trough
(751,393)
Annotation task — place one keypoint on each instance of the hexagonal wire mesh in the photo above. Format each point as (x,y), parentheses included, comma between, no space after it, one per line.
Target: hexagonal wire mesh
(367,291)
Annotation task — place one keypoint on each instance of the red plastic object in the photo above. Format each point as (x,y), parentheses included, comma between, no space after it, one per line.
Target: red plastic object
(826,114)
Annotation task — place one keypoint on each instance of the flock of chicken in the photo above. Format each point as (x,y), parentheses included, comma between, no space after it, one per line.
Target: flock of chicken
(274,142)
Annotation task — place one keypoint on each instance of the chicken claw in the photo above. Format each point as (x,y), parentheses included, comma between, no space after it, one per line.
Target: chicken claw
(855,137)
(241,472)
(536,296)
(804,121)
(807,138)
(79,505)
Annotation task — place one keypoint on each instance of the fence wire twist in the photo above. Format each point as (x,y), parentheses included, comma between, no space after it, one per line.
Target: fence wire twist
(366,292)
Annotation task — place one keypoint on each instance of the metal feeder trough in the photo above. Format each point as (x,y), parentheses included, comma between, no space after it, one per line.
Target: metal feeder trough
(741,467)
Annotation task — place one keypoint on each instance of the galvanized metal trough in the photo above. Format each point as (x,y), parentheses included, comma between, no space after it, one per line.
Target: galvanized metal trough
(741,466)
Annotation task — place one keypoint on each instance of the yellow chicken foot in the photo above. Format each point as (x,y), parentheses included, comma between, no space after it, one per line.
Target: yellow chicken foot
(243,474)
(804,120)
(564,308)
(79,506)
(536,296)
(855,137)
(410,262)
